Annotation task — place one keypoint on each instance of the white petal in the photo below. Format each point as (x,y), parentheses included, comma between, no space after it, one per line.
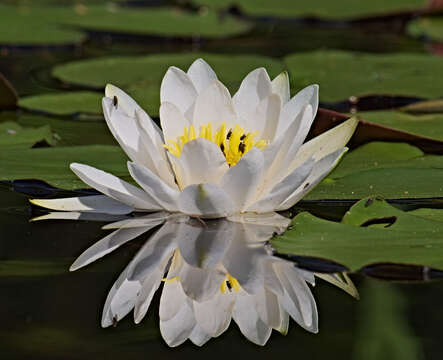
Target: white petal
(284,189)
(144,298)
(265,118)
(280,86)
(125,103)
(205,200)
(176,331)
(114,187)
(140,221)
(173,121)
(205,244)
(214,315)
(177,88)
(201,74)
(201,161)
(267,307)
(172,299)
(326,143)
(321,168)
(198,336)
(255,87)
(284,321)
(214,105)
(108,244)
(309,95)
(266,219)
(95,203)
(156,188)
(247,319)
(76,215)
(241,181)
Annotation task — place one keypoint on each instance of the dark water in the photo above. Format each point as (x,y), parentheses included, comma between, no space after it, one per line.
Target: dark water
(49,313)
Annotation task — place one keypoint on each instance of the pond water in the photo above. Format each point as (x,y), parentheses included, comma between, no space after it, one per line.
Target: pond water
(52,313)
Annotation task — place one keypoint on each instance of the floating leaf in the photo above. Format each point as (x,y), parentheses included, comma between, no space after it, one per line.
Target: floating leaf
(141,76)
(12,135)
(321,8)
(52,164)
(371,232)
(342,75)
(430,27)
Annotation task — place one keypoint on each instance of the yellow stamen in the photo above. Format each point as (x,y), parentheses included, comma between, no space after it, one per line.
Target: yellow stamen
(234,143)
(230,284)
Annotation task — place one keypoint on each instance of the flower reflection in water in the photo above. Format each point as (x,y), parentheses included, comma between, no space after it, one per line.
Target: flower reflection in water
(212,271)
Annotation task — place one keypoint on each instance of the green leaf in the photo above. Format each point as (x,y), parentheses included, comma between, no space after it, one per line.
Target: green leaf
(52,164)
(142,76)
(342,74)
(321,8)
(429,125)
(409,240)
(12,135)
(431,27)
(68,103)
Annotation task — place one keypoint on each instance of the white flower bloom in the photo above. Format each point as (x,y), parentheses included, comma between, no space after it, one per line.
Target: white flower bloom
(216,155)
(213,271)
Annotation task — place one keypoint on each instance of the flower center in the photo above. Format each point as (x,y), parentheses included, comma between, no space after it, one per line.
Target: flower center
(234,142)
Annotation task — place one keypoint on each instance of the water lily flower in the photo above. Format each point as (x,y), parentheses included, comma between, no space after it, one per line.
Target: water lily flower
(212,271)
(215,155)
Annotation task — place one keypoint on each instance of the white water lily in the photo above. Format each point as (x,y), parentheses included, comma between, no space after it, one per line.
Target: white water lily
(216,155)
(213,271)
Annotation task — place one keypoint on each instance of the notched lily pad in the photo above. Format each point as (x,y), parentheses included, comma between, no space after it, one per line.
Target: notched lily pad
(410,239)
(342,74)
(13,136)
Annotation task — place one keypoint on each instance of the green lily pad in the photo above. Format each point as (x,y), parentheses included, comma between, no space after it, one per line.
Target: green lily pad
(342,9)
(141,76)
(68,132)
(389,169)
(430,27)
(67,103)
(52,164)
(402,238)
(429,125)
(23,25)
(342,74)
(12,135)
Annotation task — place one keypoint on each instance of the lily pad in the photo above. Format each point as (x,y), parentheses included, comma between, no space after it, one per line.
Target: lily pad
(342,74)
(52,164)
(429,125)
(342,9)
(371,232)
(141,76)
(67,103)
(24,25)
(12,136)
(431,27)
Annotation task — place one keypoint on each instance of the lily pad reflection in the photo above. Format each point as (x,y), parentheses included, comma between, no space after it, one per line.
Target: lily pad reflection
(212,272)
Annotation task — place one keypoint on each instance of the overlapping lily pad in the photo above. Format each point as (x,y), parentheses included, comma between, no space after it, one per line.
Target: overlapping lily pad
(389,169)
(52,164)
(429,27)
(342,9)
(342,75)
(371,232)
(141,76)
(13,136)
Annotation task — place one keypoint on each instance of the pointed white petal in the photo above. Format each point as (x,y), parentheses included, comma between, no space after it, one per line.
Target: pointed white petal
(76,215)
(267,307)
(201,74)
(265,219)
(172,299)
(177,330)
(254,87)
(241,181)
(309,95)
(141,221)
(214,105)
(155,187)
(280,86)
(95,203)
(198,336)
(265,118)
(200,284)
(173,121)
(247,319)
(284,189)
(177,88)
(205,200)
(214,315)
(201,161)
(114,187)
(108,244)
(144,298)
